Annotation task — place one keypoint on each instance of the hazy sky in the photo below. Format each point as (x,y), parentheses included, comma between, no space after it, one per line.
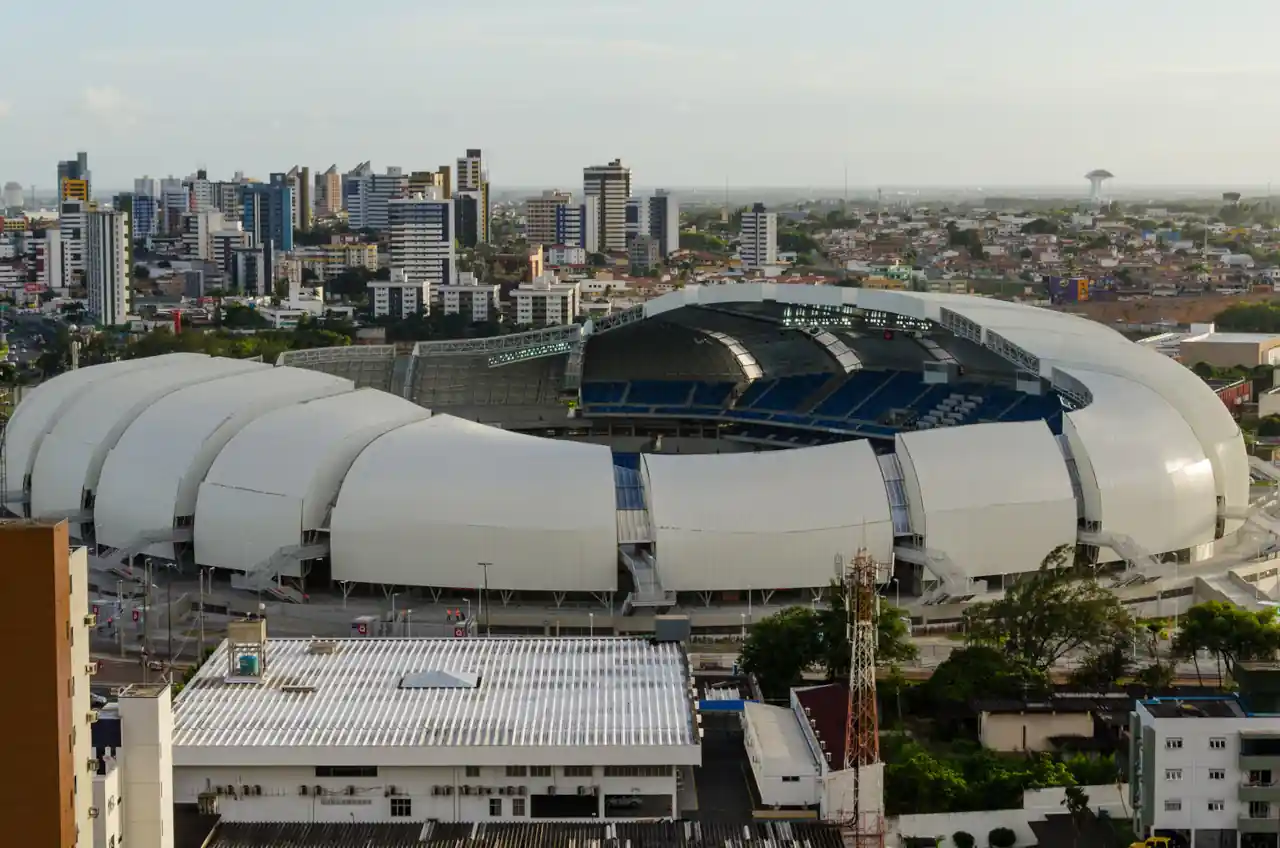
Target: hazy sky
(930,92)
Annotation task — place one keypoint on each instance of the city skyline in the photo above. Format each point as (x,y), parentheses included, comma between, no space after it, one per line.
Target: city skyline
(996,95)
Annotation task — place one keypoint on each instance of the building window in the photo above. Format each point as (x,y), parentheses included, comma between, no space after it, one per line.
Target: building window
(1173,774)
(1218,743)
(495,806)
(1173,743)
(637,771)
(790,779)
(473,771)
(517,771)
(517,806)
(578,771)
(346,771)
(1217,774)
(1173,805)
(539,771)
(401,808)
(1217,806)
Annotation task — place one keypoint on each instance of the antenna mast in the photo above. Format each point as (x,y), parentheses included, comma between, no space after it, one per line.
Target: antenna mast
(865,820)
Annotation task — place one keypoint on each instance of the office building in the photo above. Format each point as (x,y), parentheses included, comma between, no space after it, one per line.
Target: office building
(579,226)
(546,302)
(146,187)
(1205,771)
(76,169)
(469,297)
(145,216)
(299,179)
(200,191)
(51,259)
(268,212)
(401,296)
(250,270)
(664,221)
(472,177)
(366,195)
(48,797)
(75,189)
(226,199)
(611,185)
(198,229)
(468,217)
(107,266)
(175,201)
(328,196)
(543,215)
(643,254)
(569,758)
(758,243)
(422,238)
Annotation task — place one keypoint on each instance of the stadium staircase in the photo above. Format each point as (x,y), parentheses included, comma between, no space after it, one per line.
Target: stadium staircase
(1142,566)
(643,568)
(953,587)
(265,576)
(1234,589)
(118,561)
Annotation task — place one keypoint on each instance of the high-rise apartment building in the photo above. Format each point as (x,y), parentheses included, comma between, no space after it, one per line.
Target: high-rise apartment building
(75,189)
(175,201)
(146,187)
(72,224)
(469,297)
(422,238)
(471,176)
(399,296)
(76,169)
(268,212)
(250,270)
(643,254)
(200,191)
(542,215)
(758,244)
(145,216)
(107,258)
(468,217)
(13,197)
(47,800)
(299,179)
(366,195)
(612,185)
(546,302)
(328,193)
(657,216)
(51,269)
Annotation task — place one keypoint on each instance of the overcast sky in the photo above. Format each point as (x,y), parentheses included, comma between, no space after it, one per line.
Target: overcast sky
(687,92)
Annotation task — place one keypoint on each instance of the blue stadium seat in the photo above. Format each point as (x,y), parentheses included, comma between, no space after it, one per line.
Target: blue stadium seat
(854,391)
(712,394)
(791,391)
(660,392)
(898,393)
(754,393)
(628,488)
(603,392)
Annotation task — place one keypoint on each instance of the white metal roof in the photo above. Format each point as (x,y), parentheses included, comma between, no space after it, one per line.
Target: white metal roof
(779,740)
(531,692)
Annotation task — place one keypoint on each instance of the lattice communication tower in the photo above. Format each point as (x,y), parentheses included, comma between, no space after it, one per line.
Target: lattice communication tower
(865,821)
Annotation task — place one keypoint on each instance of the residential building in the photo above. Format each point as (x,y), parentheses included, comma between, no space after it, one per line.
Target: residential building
(250,270)
(226,199)
(145,216)
(49,802)
(75,189)
(643,254)
(175,201)
(758,244)
(299,180)
(328,197)
(557,255)
(1205,769)
(72,222)
(107,266)
(543,215)
(198,229)
(424,182)
(268,212)
(589,232)
(557,760)
(223,244)
(343,253)
(13,197)
(422,238)
(546,302)
(366,195)
(446,181)
(471,176)
(400,296)
(469,297)
(468,217)
(612,185)
(568,225)
(146,187)
(200,190)
(51,271)
(75,169)
(664,221)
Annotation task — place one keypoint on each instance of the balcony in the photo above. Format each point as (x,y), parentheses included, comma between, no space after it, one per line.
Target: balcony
(1265,824)
(1268,791)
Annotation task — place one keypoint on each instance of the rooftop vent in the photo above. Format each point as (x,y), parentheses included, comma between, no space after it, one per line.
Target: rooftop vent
(439,679)
(323,647)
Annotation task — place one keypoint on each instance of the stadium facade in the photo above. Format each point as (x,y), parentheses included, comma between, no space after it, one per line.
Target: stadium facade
(964,437)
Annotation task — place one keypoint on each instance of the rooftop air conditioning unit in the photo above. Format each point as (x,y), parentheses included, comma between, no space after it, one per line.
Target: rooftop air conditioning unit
(246,790)
(231,790)
(435,790)
(551,790)
(448,790)
(93,812)
(91,765)
(90,620)
(218,790)
(582,790)
(350,790)
(257,789)
(511,790)
(391,790)
(317,790)
(92,716)
(522,790)
(91,668)
(304,789)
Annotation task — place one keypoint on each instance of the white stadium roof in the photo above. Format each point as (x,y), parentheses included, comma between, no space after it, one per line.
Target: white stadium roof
(440,694)
(256,459)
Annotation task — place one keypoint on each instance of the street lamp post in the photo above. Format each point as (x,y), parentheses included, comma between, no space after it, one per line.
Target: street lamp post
(591,625)
(744,626)
(484,599)
(394,622)
(408,622)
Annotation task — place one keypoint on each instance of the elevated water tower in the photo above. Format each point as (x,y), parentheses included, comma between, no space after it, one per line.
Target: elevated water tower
(1096,178)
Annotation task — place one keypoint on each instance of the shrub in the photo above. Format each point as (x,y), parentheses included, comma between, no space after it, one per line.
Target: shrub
(1002,837)
(961,839)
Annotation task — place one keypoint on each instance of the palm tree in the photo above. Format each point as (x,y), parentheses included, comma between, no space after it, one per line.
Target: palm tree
(1077,804)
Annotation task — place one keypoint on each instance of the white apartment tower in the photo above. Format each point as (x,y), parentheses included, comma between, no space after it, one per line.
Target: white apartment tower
(472,177)
(612,185)
(546,302)
(107,266)
(469,297)
(759,239)
(366,195)
(422,237)
(400,296)
(72,222)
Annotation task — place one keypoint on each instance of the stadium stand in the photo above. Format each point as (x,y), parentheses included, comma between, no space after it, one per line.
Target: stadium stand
(670,352)
(369,366)
(444,382)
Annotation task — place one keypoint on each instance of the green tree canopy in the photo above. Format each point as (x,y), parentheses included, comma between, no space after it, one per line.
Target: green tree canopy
(780,648)
(1249,318)
(1040,227)
(1232,634)
(1048,614)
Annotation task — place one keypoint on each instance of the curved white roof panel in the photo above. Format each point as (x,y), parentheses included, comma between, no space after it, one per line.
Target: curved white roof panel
(151,477)
(427,502)
(770,520)
(995,498)
(43,406)
(71,455)
(277,478)
(1143,474)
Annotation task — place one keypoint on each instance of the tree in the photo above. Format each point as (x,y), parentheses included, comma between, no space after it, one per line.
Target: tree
(963,839)
(893,637)
(918,782)
(1048,614)
(1103,667)
(1040,226)
(310,276)
(780,648)
(1077,804)
(980,671)
(141,272)
(1002,837)
(1233,635)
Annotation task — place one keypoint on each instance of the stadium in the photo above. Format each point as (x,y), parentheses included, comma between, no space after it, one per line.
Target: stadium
(713,441)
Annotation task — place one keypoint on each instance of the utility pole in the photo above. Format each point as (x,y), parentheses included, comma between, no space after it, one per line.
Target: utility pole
(146,620)
(484,600)
(200,574)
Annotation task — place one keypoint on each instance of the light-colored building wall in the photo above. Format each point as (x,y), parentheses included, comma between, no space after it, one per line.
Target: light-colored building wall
(106,810)
(1030,731)
(1247,352)
(146,762)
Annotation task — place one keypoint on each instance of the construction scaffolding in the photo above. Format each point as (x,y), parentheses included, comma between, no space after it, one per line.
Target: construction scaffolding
(864,821)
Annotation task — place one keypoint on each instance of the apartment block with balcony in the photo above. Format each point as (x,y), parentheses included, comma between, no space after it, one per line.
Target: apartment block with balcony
(1205,771)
